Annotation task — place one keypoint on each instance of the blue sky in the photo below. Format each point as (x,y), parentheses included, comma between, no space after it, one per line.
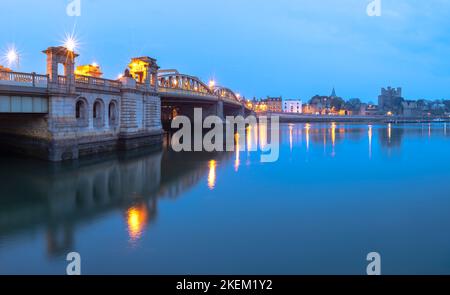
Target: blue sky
(293,48)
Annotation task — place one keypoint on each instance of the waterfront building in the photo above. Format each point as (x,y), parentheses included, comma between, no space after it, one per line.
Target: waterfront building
(371,110)
(274,104)
(320,104)
(362,109)
(269,104)
(292,106)
(327,105)
(410,108)
(258,106)
(390,101)
(307,109)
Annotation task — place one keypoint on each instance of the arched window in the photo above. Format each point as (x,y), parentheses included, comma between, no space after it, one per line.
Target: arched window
(81,112)
(112,113)
(98,114)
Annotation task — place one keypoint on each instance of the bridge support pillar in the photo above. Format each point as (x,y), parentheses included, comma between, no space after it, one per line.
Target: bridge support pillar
(214,110)
(140,118)
(240,112)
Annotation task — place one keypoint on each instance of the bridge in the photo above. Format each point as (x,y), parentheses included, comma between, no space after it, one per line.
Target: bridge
(61,117)
(180,93)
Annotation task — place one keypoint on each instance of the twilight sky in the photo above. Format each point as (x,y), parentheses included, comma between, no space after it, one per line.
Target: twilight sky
(293,48)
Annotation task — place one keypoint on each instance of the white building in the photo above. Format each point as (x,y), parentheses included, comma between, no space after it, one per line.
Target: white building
(292,106)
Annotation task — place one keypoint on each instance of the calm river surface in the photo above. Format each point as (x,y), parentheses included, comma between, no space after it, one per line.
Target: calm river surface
(337,192)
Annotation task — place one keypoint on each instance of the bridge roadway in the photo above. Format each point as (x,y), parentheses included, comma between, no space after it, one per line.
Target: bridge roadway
(28,92)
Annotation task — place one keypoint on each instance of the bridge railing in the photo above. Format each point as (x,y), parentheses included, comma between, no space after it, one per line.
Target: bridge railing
(23,79)
(88,81)
(163,89)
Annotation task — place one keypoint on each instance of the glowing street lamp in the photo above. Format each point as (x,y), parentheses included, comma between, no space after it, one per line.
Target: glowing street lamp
(71,43)
(212,84)
(12,57)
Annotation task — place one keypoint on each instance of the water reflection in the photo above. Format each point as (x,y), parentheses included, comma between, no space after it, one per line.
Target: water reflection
(291,140)
(307,128)
(58,201)
(391,137)
(212,174)
(61,197)
(329,136)
(370,134)
(137,219)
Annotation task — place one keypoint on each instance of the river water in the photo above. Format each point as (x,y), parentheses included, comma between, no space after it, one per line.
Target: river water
(336,193)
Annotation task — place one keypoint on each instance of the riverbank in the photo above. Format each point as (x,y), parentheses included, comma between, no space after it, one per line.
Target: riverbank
(300,118)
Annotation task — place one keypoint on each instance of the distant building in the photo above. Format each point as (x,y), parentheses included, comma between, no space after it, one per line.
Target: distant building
(269,104)
(390,101)
(333,93)
(372,110)
(274,104)
(292,106)
(410,108)
(307,109)
(327,105)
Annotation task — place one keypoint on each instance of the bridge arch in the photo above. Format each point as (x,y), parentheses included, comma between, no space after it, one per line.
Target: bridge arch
(226,93)
(99,113)
(179,81)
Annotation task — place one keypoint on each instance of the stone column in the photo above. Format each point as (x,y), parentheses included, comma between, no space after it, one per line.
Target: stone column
(128,120)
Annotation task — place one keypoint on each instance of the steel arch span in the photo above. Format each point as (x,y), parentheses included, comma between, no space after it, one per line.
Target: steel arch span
(226,93)
(177,81)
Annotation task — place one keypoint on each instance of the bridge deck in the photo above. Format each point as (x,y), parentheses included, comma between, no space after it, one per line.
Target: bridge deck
(28,92)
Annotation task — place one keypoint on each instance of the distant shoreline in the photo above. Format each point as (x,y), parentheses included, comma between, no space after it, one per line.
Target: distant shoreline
(300,118)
